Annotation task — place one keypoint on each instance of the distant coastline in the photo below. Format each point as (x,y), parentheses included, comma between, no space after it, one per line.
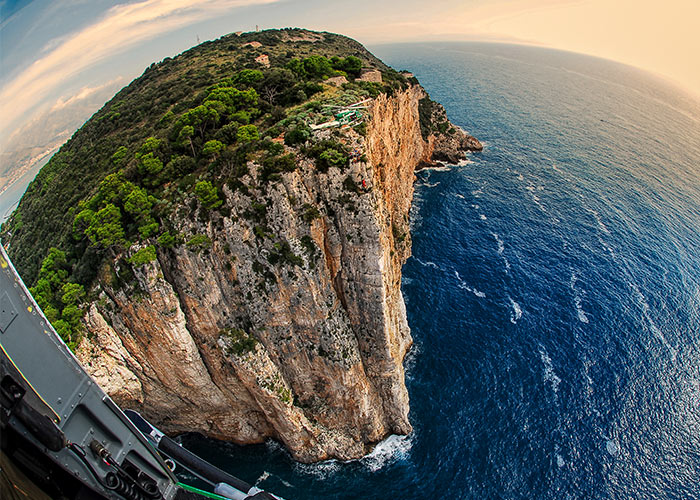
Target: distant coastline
(12,192)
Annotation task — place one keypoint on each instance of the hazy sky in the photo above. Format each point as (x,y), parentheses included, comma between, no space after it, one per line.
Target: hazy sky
(53,53)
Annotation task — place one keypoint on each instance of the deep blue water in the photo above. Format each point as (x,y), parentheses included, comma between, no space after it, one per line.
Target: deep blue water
(554,293)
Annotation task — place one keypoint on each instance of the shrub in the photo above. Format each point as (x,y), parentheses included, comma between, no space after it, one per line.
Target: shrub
(199,242)
(248,76)
(106,229)
(329,153)
(247,133)
(179,166)
(351,65)
(207,194)
(166,240)
(149,165)
(282,253)
(238,342)
(298,135)
(149,229)
(59,298)
(274,165)
(310,213)
(309,246)
(332,158)
(212,148)
(119,155)
(143,256)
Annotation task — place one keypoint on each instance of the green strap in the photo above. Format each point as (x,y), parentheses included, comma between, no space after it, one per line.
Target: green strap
(201,492)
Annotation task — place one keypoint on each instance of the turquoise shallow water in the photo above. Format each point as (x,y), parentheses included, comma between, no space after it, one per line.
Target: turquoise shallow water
(554,293)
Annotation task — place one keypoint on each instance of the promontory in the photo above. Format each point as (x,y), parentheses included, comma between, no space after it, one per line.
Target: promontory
(221,244)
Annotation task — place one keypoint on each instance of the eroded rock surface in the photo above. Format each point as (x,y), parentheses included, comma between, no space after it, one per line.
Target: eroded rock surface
(287,322)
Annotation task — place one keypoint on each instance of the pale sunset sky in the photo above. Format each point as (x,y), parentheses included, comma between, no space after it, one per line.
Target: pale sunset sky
(56,53)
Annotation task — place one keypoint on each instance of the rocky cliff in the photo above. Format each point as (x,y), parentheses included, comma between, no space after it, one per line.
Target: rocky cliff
(220,342)
(282,315)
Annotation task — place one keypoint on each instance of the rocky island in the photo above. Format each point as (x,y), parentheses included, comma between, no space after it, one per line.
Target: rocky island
(221,244)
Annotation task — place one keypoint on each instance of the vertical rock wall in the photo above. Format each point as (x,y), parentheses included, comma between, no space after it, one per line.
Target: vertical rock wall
(237,341)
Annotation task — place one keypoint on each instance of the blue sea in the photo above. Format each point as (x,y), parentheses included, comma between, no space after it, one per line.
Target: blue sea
(553,293)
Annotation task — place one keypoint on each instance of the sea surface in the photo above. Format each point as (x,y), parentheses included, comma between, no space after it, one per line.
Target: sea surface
(553,293)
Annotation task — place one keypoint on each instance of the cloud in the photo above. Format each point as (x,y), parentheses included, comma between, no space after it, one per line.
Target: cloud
(121,28)
(83,94)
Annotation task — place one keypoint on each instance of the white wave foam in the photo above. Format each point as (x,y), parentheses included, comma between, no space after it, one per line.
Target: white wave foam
(266,475)
(499,242)
(606,247)
(642,302)
(463,285)
(384,453)
(516,313)
(388,451)
(320,470)
(409,362)
(464,162)
(554,166)
(500,249)
(549,375)
(582,317)
(612,447)
(430,185)
(560,461)
(460,196)
(602,225)
(440,167)
(427,263)
(482,217)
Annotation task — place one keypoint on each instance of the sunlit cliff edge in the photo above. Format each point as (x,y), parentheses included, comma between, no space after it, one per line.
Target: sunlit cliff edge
(258,293)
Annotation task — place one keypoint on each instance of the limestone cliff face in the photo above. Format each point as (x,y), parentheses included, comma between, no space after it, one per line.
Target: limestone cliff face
(287,319)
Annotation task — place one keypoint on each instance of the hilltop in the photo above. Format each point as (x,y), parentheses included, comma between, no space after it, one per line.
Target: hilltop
(234,221)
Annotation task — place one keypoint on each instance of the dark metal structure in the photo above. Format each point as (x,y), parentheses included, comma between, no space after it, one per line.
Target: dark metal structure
(60,432)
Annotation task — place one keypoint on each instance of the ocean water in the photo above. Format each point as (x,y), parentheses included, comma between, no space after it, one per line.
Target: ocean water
(553,294)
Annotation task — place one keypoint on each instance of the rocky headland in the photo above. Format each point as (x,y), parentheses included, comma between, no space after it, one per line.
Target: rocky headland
(241,277)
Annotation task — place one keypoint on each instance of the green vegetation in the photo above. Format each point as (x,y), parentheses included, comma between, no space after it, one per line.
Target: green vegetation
(167,240)
(282,253)
(399,235)
(247,134)
(59,298)
(298,135)
(329,153)
(208,195)
(310,213)
(238,342)
(427,112)
(273,166)
(143,256)
(199,242)
(168,143)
